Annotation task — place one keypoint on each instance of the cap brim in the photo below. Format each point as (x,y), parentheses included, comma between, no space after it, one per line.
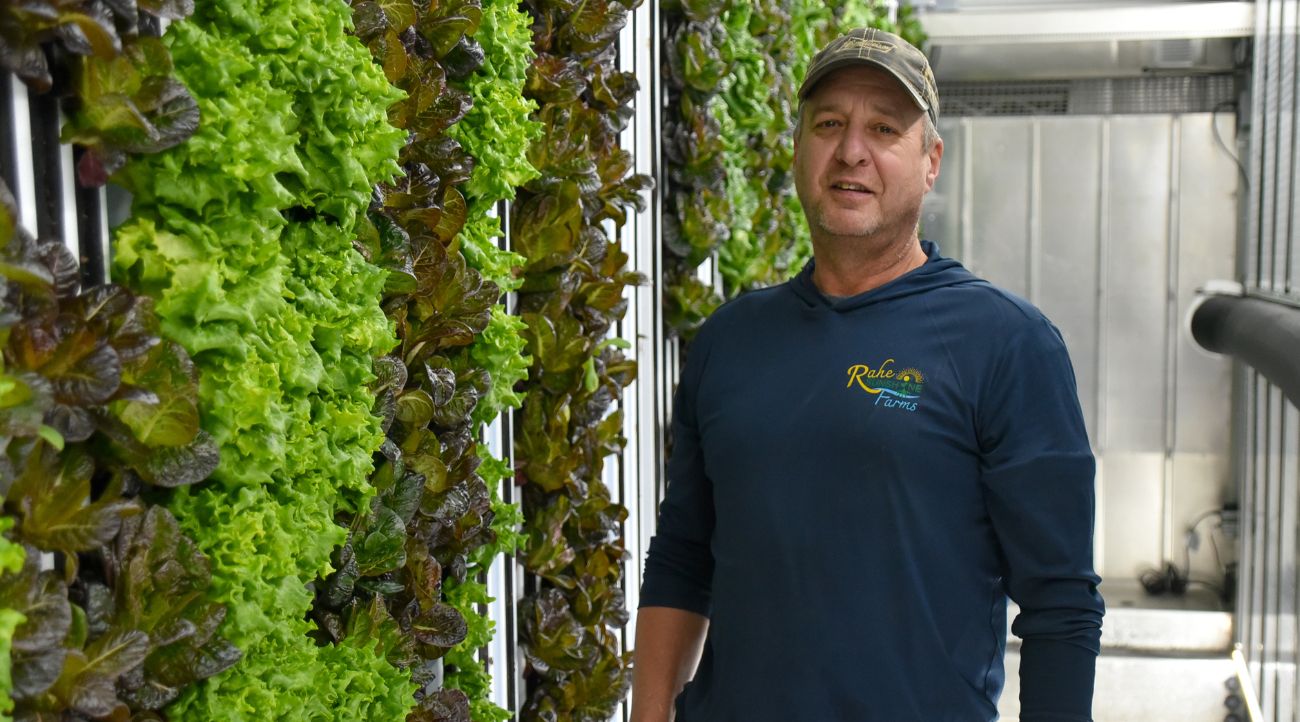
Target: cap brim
(812,80)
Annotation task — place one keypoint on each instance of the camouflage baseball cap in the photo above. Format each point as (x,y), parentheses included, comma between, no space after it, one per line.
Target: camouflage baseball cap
(877,48)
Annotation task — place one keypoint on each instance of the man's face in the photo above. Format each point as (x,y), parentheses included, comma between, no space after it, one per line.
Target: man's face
(861,168)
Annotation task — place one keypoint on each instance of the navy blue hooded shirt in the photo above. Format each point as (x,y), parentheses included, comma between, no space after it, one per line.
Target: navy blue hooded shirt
(855,488)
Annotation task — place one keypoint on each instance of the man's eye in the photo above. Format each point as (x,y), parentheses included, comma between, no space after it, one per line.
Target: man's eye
(885,129)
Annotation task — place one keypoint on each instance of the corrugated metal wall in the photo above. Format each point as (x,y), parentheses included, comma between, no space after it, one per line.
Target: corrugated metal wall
(1109,224)
(1269,462)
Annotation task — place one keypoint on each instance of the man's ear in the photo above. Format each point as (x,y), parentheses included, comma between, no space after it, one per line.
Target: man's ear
(936,159)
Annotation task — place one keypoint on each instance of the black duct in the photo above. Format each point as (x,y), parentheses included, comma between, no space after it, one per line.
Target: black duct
(1263,334)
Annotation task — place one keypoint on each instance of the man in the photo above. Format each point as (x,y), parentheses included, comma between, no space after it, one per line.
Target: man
(868,459)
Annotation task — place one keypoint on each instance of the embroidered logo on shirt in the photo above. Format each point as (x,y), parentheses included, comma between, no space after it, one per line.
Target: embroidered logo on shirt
(893,389)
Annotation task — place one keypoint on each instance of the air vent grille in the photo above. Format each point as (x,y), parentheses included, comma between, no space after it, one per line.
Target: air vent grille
(1101,96)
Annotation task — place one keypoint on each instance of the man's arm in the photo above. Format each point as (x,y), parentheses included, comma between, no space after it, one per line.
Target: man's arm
(1038,473)
(676,592)
(668,644)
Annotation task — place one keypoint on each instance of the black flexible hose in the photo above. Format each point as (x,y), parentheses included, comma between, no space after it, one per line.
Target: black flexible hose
(1263,334)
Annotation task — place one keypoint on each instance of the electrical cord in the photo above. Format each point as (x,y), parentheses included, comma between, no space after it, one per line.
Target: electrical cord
(1214,123)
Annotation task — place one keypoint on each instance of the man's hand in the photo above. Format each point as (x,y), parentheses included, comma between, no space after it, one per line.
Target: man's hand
(668,644)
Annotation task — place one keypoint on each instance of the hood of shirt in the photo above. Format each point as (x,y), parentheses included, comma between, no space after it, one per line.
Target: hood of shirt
(937,271)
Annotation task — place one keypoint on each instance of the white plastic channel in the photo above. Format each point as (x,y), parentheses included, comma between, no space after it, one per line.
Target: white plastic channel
(68,197)
(25,193)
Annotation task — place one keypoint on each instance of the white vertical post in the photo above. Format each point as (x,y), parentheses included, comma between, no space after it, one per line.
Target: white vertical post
(68,197)
(25,193)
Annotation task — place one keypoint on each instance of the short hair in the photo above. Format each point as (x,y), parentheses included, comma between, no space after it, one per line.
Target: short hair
(928,140)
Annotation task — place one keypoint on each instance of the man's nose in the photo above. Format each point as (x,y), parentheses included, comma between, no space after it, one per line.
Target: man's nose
(852,149)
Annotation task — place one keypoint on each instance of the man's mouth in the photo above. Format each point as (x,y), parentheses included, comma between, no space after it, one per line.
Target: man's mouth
(847,186)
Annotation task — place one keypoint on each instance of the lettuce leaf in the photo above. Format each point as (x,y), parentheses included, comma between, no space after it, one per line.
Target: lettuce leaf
(498,129)
(501,350)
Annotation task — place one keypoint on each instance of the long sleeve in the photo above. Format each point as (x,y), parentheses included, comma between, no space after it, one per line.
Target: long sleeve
(679,564)
(1038,476)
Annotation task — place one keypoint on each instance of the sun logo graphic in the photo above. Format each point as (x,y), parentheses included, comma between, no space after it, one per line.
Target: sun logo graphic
(892,389)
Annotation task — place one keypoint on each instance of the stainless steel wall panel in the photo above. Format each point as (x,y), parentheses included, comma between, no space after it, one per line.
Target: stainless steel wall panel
(1287,188)
(1272,540)
(1070,187)
(1268,601)
(1209,184)
(1250,244)
(1286,575)
(1271,87)
(1131,498)
(1137,275)
(1202,472)
(1252,552)
(999,201)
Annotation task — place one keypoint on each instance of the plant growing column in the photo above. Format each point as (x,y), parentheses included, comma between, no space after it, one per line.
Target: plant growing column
(697,208)
(574,281)
(245,235)
(97,421)
(415,558)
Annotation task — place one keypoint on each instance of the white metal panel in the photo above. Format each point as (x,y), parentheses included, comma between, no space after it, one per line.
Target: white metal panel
(1202,471)
(1284,186)
(68,225)
(25,193)
(1271,87)
(1209,187)
(1111,223)
(1133,498)
(1267,599)
(999,197)
(503,584)
(1071,184)
(1137,275)
(1272,539)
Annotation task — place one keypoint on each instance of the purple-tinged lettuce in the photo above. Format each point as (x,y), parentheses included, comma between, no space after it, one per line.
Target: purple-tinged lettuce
(94,410)
(573,294)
